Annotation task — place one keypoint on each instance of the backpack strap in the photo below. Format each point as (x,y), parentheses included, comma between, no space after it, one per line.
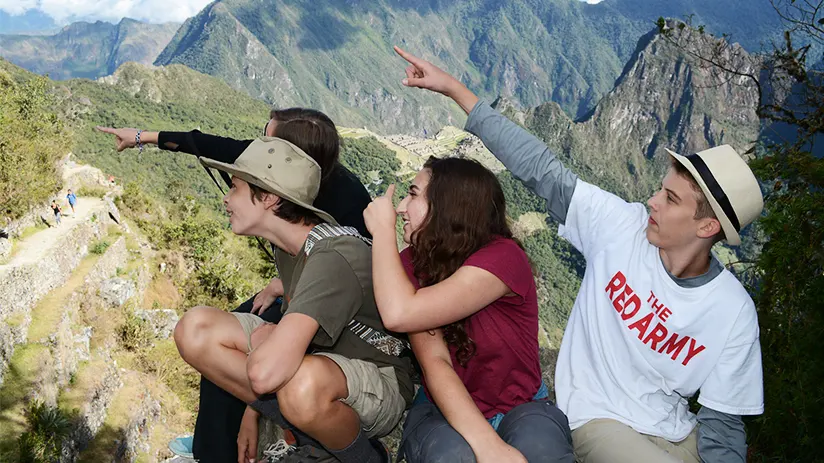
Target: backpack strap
(380,340)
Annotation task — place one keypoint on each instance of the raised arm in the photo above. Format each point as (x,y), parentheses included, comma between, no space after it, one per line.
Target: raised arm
(221,149)
(527,157)
(454,401)
(402,307)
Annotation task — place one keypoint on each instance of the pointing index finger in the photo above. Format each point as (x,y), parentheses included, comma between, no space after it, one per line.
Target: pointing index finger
(105,129)
(390,192)
(409,57)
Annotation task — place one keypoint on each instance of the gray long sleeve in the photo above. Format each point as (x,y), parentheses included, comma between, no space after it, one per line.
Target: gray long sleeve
(721,437)
(527,157)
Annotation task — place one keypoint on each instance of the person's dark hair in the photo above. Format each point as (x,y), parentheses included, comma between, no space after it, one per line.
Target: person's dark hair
(704,209)
(313,132)
(467,210)
(287,210)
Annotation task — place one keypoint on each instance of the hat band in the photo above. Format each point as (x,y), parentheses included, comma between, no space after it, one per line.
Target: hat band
(715,189)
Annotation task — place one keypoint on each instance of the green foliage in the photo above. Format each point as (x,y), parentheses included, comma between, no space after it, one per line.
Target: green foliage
(199,235)
(789,297)
(373,163)
(32,140)
(99,247)
(93,191)
(555,263)
(135,333)
(47,427)
(136,200)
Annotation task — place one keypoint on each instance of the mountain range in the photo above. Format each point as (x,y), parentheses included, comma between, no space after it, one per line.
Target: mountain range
(337,56)
(89,50)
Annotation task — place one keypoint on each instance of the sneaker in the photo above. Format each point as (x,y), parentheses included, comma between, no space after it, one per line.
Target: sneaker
(182,446)
(302,454)
(278,449)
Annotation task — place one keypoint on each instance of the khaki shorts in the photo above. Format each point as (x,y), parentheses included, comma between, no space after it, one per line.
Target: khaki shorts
(373,391)
(610,441)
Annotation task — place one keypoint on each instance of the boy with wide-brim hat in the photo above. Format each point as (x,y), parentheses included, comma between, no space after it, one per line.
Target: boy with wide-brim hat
(347,390)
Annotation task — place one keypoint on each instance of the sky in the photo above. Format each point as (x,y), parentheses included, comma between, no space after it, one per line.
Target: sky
(66,11)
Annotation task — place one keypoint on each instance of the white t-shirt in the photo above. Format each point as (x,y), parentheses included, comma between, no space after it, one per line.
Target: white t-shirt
(637,345)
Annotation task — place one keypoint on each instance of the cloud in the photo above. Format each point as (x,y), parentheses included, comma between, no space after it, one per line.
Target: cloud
(65,11)
(592,2)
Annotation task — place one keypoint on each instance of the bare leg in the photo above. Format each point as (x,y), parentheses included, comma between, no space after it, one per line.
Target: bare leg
(213,342)
(311,402)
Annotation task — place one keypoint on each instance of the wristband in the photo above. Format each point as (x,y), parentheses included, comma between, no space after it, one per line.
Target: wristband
(137,141)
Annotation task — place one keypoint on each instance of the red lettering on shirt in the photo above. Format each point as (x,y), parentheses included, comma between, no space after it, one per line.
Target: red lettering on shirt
(641,325)
(658,334)
(618,282)
(674,346)
(627,303)
(693,351)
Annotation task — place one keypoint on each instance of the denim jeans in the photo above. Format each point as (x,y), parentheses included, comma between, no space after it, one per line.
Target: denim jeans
(538,429)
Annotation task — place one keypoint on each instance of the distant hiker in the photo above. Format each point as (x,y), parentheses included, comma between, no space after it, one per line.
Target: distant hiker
(57,210)
(341,194)
(72,200)
(658,317)
(464,288)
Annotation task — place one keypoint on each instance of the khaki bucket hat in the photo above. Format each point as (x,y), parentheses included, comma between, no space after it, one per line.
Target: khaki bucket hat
(278,167)
(729,185)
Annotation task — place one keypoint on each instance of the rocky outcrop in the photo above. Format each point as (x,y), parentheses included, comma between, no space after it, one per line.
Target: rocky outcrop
(160,321)
(116,291)
(663,99)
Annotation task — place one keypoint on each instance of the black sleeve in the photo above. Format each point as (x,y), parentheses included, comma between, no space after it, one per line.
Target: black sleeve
(202,144)
(344,197)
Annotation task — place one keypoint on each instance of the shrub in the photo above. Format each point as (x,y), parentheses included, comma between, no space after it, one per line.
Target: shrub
(47,427)
(94,191)
(135,333)
(99,247)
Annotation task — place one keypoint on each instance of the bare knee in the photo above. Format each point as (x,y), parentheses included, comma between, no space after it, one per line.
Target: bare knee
(307,396)
(192,331)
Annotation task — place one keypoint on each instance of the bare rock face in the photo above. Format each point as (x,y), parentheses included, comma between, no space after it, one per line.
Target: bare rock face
(161,321)
(663,99)
(117,291)
(5,248)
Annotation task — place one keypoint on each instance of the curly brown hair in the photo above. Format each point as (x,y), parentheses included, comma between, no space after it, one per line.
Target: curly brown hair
(467,210)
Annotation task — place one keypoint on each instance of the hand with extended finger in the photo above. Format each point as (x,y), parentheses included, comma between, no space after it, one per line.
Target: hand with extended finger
(124,138)
(423,74)
(380,216)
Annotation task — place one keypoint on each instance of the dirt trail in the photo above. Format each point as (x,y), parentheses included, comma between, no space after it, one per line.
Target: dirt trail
(32,248)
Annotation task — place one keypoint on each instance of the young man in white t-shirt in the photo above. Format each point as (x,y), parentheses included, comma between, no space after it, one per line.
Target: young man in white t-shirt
(657,318)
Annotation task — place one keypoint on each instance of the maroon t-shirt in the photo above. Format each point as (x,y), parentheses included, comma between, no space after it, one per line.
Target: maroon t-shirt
(505,371)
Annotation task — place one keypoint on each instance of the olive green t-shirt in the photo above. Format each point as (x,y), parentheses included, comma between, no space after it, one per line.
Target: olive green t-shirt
(333,285)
